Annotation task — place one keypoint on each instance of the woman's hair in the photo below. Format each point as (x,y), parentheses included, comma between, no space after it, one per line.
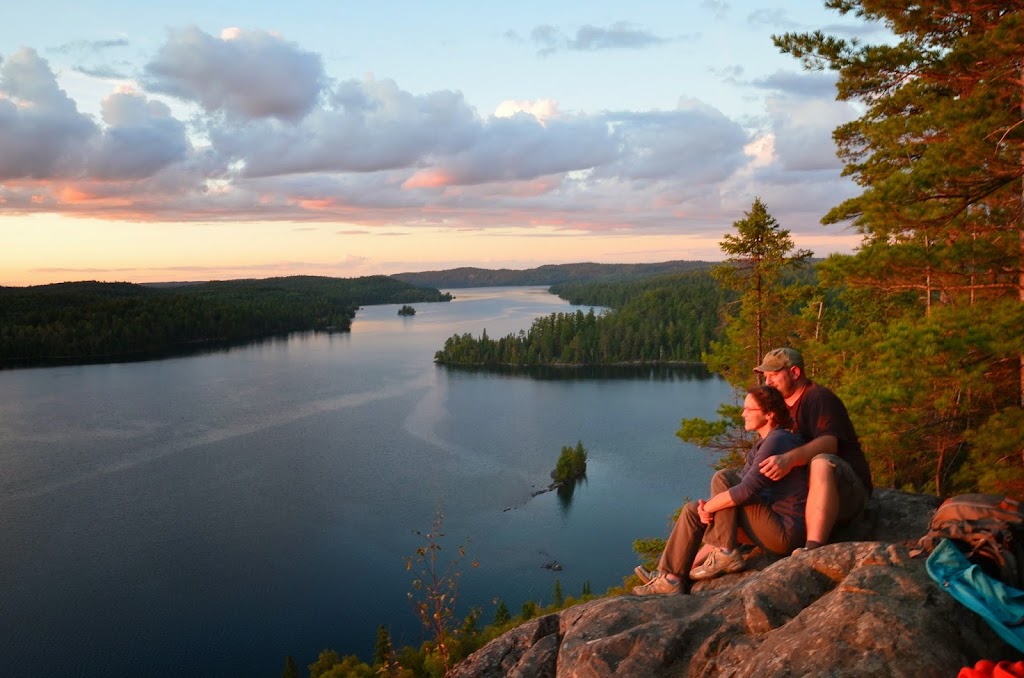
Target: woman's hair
(770,400)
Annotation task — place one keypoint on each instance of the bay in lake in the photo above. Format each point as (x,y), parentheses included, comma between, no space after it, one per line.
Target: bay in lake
(209,515)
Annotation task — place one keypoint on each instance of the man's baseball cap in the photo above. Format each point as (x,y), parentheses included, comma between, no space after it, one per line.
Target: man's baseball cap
(779,359)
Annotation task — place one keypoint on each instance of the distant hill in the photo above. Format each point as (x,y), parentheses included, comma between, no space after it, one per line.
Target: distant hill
(551,274)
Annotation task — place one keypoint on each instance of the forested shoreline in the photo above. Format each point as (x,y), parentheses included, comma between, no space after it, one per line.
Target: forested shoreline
(664,319)
(94,321)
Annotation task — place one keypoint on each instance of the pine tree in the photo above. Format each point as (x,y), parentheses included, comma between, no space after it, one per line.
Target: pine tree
(938,283)
(502,615)
(757,256)
(291,670)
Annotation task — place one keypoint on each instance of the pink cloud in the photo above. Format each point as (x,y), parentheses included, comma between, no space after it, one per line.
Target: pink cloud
(430,178)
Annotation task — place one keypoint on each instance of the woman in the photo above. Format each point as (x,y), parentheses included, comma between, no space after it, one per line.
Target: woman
(766,512)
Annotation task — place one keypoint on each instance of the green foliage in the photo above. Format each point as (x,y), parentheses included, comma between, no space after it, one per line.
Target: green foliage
(291,670)
(998,446)
(529,610)
(502,615)
(558,598)
(407,310)
(649,549)
(661,320)
(75,322)
(330,665)
(382,650)
(924,342)
(725,436)
(572,464)
(924,391)
(761,265)
(773,284)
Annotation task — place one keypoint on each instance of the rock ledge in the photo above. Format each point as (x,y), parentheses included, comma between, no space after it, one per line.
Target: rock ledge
(855,608)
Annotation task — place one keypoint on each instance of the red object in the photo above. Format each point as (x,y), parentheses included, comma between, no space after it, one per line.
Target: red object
(986,668)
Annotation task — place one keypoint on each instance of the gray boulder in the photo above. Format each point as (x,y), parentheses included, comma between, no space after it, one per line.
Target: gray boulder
(854,608)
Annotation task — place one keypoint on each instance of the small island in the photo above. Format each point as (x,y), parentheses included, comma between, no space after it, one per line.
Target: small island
(572,465)
(407,310)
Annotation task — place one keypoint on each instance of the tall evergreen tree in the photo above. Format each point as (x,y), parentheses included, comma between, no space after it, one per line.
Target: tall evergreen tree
(291,669)
(558,598)
(757,256)
(939,154)
(502,615)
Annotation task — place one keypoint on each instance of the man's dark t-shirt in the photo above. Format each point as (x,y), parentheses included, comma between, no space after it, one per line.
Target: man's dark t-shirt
(820,412)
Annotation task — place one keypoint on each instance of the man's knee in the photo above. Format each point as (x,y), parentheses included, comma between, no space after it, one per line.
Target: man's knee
(822,476)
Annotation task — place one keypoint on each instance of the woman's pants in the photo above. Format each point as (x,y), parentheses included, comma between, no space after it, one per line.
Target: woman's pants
(764,528)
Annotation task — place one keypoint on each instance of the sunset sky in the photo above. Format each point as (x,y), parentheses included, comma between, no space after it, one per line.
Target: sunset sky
(208,139)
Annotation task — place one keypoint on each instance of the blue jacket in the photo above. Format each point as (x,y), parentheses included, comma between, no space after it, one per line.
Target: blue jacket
(1000,605)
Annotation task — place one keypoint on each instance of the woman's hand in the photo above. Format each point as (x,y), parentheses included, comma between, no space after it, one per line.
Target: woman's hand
(704,516)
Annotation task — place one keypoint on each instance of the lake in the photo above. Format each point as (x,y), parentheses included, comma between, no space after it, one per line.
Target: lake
(209,515)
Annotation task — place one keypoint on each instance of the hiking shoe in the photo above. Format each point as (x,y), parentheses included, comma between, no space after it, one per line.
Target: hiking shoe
(660,584)
(717,563)
(646,576)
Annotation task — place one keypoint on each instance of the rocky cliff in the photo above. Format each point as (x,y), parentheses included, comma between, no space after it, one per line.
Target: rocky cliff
(854,608)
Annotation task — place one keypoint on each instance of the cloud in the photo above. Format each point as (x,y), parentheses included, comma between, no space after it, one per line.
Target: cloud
(696,144)
(368,153)
(365,127)
(775,17)
(778,19)
(87,46)
(141,138)
(620,35)
(520,147)
(809,84)
(542,109)
(717,7)
(245,74)
(42,134)
(803,132)
(105,72)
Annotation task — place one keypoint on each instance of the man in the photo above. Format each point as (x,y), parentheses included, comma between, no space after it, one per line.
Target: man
(840,480)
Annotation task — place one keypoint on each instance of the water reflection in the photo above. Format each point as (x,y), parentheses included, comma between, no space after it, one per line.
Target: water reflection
(565,493)
(660,372)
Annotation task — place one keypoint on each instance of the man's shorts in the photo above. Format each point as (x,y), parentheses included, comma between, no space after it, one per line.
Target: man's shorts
(852,495)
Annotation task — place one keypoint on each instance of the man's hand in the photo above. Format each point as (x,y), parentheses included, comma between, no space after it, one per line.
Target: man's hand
(704,516)
(777,466)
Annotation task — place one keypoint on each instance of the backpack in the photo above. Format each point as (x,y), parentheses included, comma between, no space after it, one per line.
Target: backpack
(987,528)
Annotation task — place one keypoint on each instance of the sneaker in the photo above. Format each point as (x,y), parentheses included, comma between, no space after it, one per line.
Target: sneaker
(718,562)
(645,575)
(660,584)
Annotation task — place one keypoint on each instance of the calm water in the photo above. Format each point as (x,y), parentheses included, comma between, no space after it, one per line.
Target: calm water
(209,515)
